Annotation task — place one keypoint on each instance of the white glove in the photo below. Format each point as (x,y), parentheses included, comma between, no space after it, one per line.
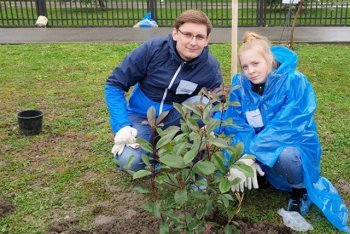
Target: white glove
(126,136)
(235,173)
(248,182)
(252,181)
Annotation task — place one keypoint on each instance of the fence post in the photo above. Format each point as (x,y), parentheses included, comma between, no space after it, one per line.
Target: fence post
(261,13)
(152,7)
(41,7)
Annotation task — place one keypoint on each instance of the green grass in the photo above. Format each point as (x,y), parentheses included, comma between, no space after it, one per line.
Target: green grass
(63,170)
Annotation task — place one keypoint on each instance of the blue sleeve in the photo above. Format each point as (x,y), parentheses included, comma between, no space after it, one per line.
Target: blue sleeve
(116,104)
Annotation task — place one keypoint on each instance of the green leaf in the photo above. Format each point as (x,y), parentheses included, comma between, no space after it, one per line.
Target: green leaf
(168,136)
(141,189)
(192,124)
(180,197)
(145,160)
(191,222)
(224,185)
(141,174)
(219,142)
(212,124)
(228,229)
(161,117)
(172,130)
(173,217)
(185,174)
(154,209)
(225,201)
(209,207)
(179,108)
(157,210)
(160,179)
(130,161)
(145,145)
(179,148)
(205,167)
(247,170)
(164,140)
(218,158)
(200,213)
(164,228)
(235,181)
(151,116)
(179,137)
(207,110)
(199,196)
(172,161)
(189,156)
(228,196)
(191,107)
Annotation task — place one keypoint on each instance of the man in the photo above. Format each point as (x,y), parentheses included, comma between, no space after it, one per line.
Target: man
(164,70)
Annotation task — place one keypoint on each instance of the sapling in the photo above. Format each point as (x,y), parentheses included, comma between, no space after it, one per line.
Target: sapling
(188,167)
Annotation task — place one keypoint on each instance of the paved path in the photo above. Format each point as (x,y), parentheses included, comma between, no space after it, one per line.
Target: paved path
(219,35)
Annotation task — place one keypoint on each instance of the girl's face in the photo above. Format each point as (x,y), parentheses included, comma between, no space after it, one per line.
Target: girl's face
(255,66)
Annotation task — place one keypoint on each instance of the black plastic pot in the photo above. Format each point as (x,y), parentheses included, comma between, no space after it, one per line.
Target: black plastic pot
(30,122)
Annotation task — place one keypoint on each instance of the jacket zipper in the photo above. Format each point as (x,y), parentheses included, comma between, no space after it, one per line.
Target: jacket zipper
(166,90)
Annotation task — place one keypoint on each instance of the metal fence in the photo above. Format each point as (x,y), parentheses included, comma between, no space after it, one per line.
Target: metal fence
(126,13)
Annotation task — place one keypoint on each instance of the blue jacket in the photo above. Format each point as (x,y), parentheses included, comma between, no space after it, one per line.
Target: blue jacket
(287,107)
(160,78)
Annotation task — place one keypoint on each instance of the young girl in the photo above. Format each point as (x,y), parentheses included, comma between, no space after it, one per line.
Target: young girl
(276,125)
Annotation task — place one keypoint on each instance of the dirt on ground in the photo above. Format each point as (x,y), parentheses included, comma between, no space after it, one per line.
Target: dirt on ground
(126,216)
(6,207)
(122,214)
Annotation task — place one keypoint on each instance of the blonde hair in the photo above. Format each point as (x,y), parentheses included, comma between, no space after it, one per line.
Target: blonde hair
(260,44)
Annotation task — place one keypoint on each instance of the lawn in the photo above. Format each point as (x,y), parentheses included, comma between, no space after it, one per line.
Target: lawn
(66,174)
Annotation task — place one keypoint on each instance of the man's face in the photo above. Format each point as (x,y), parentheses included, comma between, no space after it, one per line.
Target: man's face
(190,40)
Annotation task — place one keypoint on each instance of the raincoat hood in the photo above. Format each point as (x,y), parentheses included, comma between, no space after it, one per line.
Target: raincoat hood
(287,59)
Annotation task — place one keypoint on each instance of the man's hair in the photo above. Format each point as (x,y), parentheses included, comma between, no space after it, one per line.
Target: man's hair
(193,16)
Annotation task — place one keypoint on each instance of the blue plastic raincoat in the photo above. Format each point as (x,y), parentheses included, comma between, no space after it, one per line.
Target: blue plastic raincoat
(287,107)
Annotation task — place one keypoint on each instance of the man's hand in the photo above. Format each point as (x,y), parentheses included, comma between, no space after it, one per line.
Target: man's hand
(126,136)
(252,181)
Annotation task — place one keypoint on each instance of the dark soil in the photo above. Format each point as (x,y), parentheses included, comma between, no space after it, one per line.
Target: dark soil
(6,207)
(122,214)
(126,216)
(142,223)
(249,227)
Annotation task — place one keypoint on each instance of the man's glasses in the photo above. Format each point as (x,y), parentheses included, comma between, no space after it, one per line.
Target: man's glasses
(190,36)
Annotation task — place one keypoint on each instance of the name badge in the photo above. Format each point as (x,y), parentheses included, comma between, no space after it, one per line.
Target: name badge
(186,87)
(254,118)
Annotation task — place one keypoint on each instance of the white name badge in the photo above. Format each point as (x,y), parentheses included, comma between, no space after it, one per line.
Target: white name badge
(186,87)
(254,118)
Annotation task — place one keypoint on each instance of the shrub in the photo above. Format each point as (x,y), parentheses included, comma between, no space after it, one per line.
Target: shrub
(188,169)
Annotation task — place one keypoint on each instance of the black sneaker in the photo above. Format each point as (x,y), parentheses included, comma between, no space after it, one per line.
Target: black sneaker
(263,182)
(299,201)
